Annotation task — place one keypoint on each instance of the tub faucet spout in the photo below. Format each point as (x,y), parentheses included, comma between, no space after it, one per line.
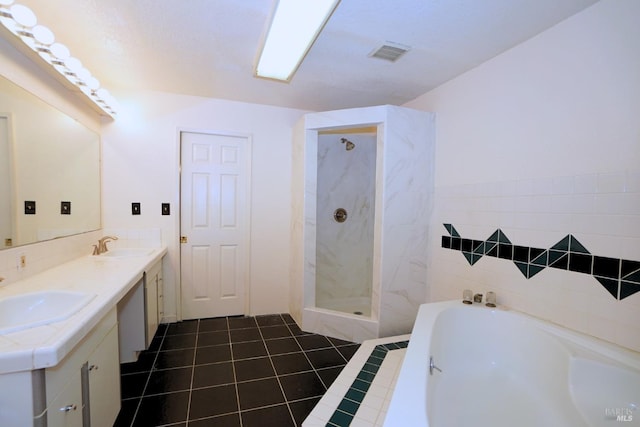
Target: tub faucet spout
(433,366)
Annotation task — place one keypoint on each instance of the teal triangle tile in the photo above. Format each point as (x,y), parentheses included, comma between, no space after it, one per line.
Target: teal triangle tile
(610,285)
(555,256)
(452,231)
(502,238)
(535,253)
(562,263)
(575,246)
(562,245)
(629,267)
(478,247)
(633,277)
(627,289)
(540,260)
(491,249)
(533,270)
(494,237)
(471,258)
(522,267)
(468,256)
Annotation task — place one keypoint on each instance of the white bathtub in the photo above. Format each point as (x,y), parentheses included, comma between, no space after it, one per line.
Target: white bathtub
(504,368)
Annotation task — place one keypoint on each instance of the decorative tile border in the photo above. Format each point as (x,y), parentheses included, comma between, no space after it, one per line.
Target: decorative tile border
(346,410)
(620,277)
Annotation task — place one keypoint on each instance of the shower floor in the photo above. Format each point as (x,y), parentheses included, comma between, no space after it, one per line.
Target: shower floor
(359,305)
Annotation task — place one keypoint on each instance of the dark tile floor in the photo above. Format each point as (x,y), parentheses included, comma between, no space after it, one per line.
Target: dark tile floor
(230,371)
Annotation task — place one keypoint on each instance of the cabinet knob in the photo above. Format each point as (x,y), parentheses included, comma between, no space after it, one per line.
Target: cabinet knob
(68,408)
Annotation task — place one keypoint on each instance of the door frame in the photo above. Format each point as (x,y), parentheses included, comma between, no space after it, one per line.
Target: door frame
(178,218)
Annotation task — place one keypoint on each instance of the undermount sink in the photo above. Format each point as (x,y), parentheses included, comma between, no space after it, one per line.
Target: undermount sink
(26,311)
(126,252)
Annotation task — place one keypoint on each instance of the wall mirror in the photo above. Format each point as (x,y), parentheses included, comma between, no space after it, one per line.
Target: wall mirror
(49,171)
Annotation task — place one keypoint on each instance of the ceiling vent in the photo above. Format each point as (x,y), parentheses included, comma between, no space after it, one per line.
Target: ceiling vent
(389,52)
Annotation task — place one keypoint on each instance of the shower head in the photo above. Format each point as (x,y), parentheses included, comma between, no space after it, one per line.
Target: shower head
(350,145)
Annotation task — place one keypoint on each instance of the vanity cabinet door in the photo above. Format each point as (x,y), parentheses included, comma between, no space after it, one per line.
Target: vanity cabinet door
(66,409)
(104,382)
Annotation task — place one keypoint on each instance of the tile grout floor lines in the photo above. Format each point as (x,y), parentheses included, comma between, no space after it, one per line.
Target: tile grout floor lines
(231,371)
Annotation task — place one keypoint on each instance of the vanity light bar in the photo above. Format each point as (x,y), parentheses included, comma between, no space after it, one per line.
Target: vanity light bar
(23,23)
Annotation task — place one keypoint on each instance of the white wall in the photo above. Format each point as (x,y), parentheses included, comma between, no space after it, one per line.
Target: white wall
(543,141)
(141,159)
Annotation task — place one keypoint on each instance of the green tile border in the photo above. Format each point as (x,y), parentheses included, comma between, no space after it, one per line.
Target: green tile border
(350,403)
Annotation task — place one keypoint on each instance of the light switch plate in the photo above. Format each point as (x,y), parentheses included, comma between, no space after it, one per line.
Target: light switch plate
(29,207)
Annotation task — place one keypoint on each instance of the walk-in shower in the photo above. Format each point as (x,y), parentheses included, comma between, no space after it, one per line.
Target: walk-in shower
(361,185)
(345,214)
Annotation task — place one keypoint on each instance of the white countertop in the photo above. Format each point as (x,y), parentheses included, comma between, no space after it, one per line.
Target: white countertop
(108,278)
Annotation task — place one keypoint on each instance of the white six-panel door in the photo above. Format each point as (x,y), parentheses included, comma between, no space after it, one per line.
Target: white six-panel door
(214,224)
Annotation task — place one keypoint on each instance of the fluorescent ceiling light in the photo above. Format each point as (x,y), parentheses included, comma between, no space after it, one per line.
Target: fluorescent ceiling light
(295,25)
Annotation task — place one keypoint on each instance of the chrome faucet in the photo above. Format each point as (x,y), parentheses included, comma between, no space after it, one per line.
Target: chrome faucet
(101,247)
(477,298)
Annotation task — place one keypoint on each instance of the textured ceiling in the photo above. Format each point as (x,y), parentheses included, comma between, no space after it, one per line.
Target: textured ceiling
(208,47)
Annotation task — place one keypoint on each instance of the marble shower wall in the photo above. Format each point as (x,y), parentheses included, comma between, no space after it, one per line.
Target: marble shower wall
(344,251)
(409,159)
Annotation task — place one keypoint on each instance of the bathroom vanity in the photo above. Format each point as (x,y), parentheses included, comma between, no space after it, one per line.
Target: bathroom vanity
(66,373)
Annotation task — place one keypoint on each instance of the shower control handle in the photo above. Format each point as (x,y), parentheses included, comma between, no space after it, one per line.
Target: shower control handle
(340,215)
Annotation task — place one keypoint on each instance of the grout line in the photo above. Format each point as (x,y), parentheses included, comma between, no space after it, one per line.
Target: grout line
(135,414)
(284,395)
(193,365)
(233,367)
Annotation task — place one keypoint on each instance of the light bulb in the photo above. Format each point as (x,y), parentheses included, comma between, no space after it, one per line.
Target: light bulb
(73,64)
(43,35)
(103,93)
(60,51)
(93,83)
(23,15)
(83,74)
